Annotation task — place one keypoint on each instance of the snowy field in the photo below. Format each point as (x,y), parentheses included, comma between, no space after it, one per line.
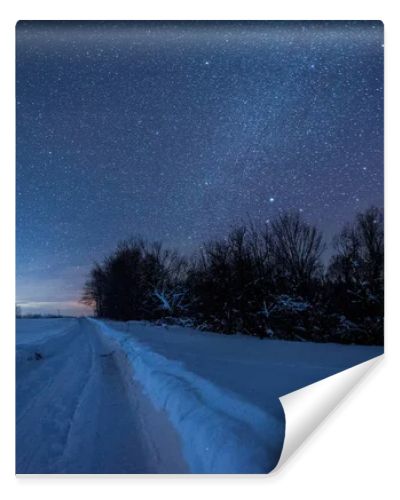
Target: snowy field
(36,331)
(108,397)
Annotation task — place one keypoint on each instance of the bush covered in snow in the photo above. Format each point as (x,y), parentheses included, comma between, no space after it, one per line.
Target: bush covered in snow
(138,281)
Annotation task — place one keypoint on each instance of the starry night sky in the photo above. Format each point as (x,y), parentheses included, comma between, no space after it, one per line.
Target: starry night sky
(175,131)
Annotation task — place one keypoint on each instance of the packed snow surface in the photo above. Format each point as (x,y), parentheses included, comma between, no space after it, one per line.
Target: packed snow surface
(100,396)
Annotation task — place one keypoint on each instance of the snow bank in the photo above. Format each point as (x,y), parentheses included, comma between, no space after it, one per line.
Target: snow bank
(220,432)
(38,335)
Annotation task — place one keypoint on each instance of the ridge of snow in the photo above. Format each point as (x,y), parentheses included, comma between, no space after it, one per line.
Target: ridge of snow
(220,432)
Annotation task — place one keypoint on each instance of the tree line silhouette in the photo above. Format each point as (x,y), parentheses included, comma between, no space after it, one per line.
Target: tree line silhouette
(265,281)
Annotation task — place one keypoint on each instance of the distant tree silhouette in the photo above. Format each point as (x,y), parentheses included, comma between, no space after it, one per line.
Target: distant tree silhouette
(94,291)
(356,272)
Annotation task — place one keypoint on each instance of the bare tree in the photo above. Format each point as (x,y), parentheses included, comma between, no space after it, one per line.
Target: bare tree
(357,269)
(297,250)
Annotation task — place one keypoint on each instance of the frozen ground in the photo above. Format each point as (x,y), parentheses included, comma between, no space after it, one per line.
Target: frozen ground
(131,397)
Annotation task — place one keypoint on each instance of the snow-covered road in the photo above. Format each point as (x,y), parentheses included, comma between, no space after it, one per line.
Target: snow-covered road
(75,414)
(108,397)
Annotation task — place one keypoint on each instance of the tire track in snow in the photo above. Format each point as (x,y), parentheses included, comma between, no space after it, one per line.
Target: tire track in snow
(41,431)
(87,419)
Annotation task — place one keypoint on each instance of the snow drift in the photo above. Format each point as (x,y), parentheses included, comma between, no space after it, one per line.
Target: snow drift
(220,432)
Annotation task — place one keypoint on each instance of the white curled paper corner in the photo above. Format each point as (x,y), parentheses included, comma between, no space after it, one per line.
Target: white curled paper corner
(306,408)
